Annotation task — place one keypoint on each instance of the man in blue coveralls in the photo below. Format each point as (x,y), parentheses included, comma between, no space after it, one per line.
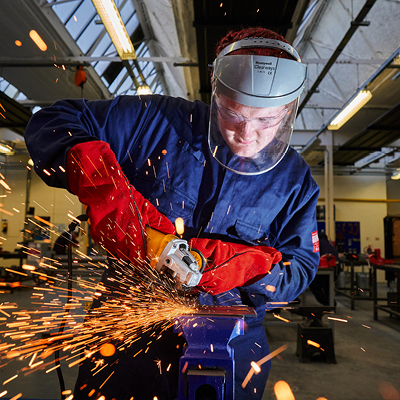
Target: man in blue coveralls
(247,198)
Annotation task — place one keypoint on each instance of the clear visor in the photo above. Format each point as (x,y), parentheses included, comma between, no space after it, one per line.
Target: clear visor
(249,140)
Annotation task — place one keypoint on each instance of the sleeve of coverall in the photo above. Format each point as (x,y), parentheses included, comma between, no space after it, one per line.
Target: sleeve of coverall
(297,240)
(54,130)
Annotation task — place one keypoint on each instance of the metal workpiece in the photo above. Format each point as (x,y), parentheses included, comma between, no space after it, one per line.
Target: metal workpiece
(225,311)
(207,367)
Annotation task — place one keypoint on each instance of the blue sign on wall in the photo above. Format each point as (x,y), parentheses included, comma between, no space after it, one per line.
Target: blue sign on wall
(348,237)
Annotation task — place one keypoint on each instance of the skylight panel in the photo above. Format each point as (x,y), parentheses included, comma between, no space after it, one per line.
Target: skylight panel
(82,17)
(64,11)
(89,36)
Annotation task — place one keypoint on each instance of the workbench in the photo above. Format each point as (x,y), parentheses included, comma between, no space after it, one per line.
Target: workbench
(15,282)
(392,309)
(18,255)
(352,292)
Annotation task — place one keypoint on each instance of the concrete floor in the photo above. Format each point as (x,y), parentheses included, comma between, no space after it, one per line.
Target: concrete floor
(367,354)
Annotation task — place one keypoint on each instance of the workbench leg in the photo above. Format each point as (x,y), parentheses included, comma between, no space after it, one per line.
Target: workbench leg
(352,286)
(375,290)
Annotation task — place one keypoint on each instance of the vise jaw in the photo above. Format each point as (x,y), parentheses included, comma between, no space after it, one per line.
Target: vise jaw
(207,367)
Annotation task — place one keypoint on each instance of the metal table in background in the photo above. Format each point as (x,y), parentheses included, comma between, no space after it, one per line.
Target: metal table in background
(19,255)
(392,309)
(9,281)
(352,291)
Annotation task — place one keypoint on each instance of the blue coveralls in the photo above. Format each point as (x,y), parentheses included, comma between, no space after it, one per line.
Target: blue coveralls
(161,145)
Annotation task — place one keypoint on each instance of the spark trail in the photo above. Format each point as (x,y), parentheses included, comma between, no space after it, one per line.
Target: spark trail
(134,300)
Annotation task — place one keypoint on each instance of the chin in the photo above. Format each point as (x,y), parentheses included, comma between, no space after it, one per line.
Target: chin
(241,152)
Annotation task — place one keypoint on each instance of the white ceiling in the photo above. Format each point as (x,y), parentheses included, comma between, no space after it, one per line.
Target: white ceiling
(169,33)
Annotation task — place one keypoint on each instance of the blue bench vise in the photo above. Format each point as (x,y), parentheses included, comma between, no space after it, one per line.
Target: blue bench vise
(207,367)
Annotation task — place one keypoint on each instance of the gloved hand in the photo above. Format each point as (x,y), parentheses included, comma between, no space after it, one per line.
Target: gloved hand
(230,264)
(118,213)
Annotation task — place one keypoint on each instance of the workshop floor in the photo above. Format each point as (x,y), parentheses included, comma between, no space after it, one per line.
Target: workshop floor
(367,354)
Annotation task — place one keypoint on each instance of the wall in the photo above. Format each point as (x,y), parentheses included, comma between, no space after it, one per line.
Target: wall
(369,214)
(53,202)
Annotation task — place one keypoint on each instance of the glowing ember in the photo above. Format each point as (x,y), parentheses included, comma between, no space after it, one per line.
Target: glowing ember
(256,367)
(282,391)
(28,267)
(107,350)
(179,226)
(261,362)
(337,319)
(315,344)
(281,318)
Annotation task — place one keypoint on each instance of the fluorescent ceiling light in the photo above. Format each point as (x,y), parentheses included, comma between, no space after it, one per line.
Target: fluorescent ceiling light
(115,27)
(396,175)
(38,40)
(355,105)
(143,89)
(5,149)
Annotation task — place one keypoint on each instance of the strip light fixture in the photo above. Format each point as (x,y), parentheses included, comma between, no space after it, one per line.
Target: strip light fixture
(362,98)
(143,89)
(115,27)
(395,175)
(5,149)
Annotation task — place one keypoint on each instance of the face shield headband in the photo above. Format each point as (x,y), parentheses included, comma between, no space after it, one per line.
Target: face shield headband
(253,106)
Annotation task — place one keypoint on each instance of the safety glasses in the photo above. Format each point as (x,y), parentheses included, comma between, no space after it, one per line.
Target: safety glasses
(235,118)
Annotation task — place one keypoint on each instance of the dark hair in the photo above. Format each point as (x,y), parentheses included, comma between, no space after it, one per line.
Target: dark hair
(232,37)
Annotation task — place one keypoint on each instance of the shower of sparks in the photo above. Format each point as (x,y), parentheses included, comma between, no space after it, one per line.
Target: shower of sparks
(337,319)
(138,300)
(69,199)
(258,364)
(281,318)
(40,206)
(312,343)
(4,184)
(282,391)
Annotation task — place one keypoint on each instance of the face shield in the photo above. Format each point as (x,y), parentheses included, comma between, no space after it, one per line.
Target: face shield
(253,106)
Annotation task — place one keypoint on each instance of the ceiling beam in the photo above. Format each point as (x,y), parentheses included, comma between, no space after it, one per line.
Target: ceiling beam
(13,62)
(353,27)
(21,61)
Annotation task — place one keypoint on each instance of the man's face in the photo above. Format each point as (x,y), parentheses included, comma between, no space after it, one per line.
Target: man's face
(247,130)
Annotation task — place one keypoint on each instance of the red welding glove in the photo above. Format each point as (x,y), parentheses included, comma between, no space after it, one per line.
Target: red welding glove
(118,213)
(230,264)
